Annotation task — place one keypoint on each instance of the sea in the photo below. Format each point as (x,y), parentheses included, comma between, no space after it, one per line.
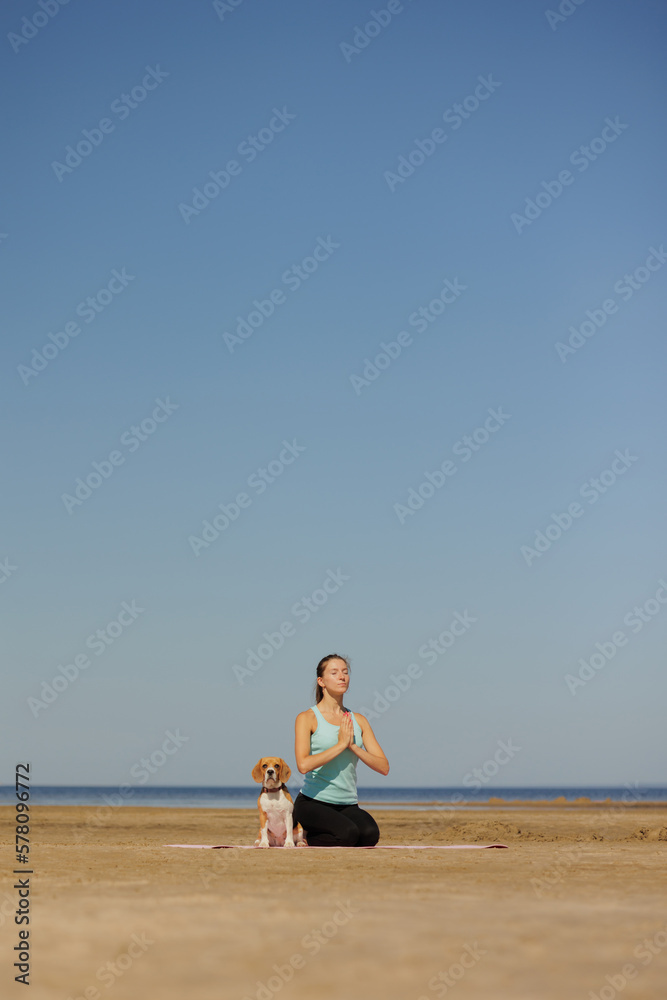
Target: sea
(245,797)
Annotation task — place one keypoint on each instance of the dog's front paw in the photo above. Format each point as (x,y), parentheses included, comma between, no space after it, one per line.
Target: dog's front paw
(302,843)
(289,843)
(260,843)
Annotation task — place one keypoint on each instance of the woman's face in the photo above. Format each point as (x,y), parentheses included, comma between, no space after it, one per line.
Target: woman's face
(336,676)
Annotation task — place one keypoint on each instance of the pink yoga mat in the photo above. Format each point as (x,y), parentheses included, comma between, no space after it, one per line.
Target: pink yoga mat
(376,847)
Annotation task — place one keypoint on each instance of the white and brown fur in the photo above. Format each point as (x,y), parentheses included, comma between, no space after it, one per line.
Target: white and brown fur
(275,805)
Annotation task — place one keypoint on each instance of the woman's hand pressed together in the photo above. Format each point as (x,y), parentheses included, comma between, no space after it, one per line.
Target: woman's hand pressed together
(346,731)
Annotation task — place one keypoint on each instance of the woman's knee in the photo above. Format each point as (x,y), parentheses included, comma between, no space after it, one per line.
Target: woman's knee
(347,836)
(341,837)
(344,831)
(369,832)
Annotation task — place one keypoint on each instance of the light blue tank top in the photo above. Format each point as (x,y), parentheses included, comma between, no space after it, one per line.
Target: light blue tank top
(335,781)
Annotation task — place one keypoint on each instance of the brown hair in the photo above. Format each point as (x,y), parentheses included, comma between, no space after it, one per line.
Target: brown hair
(321,666)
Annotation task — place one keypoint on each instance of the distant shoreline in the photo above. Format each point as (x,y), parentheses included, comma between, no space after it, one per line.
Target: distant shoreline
(417,799)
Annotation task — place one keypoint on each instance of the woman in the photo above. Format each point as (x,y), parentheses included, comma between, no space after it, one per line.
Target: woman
(329,741)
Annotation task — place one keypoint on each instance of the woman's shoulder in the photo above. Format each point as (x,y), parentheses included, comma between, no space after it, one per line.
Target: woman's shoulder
(307,716)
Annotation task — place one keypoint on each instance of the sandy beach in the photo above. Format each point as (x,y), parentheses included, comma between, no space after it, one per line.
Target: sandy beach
(576,904)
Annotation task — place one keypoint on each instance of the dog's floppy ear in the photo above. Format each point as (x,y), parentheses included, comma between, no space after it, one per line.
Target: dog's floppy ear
(257,773)
(285,772)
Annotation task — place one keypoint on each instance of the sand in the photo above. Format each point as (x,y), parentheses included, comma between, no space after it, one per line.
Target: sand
(559,914)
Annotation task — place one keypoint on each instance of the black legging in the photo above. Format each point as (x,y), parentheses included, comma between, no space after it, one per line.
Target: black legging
(327,824)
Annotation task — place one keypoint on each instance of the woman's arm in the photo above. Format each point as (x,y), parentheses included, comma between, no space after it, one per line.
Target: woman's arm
(307,761)
(373,755)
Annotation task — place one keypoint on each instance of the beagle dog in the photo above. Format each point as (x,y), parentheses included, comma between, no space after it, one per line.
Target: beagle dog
(275,805)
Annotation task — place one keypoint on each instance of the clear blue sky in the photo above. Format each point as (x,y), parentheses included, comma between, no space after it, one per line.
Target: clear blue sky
(334,108)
